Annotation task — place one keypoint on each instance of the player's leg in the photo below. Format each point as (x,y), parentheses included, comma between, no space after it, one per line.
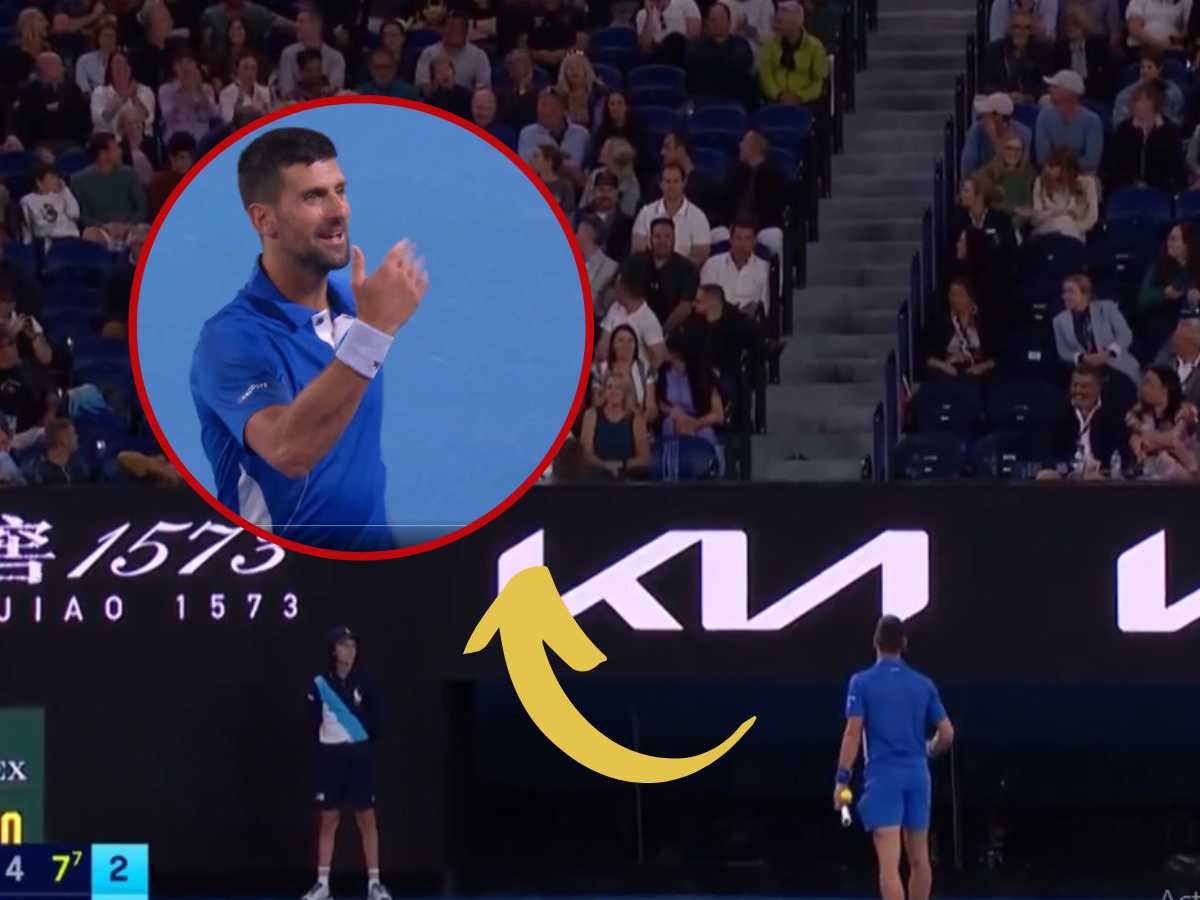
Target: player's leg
(918,796)
(920,872)
(881,810)
(887,850)
(330,795)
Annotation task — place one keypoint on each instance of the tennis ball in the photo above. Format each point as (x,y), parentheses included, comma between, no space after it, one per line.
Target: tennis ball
(845,796)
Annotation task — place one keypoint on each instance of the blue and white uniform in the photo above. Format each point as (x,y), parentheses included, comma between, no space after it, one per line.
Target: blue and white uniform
(344,715)
(899,707)
(261,350)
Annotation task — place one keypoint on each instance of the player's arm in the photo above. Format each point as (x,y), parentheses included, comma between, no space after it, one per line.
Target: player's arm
(851,739)
(935,716)
(293,438)
(312,705)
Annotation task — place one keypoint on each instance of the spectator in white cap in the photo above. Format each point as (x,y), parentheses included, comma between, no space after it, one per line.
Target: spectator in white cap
(1018,63)
(1161,24)
(1066,124)
(1150,71)
(1087,53)
(993,127)
(1044,13)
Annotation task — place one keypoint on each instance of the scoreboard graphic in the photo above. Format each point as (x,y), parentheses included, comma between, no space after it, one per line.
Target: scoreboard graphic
(22,776)
(107,871)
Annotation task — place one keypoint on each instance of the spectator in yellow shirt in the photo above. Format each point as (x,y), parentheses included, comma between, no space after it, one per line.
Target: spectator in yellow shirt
(793,65)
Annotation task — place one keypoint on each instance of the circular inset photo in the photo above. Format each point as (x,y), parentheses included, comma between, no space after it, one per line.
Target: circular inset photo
(361,327)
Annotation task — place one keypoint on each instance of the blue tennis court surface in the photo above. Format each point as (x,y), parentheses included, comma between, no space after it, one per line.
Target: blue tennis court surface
(480,380)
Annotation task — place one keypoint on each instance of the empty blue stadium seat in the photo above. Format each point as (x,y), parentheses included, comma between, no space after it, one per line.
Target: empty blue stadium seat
(71,161)
(954,406)
(1122,253)
(725,116)
(614,38)
(1009,454)
(1030,353)
(22,254)
(711,161)
(76,253)
(1052,256)
(1040,297)
(610,75)
(722,139)
(1187,206)
(1013,404)
(919,457)
(618,58)
(657,95)
(656,76)
(72,296)
(656,121)
(781,115)
(786,160)
(1139,206)
(15,162)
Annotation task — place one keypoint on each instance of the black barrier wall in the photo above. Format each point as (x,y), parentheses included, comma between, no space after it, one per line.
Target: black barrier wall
(181,721)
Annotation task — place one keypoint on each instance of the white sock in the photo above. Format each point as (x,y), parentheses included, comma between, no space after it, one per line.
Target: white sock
(372,878)
(323,876)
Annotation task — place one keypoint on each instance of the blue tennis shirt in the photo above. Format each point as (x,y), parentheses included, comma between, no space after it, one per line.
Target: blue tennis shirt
(261,350)
(899,707)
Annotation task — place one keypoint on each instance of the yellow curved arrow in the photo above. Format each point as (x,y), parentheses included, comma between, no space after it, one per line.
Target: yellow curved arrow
(531,616)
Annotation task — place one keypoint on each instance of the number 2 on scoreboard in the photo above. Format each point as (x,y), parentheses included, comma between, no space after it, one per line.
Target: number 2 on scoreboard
(14,870)
(65,861)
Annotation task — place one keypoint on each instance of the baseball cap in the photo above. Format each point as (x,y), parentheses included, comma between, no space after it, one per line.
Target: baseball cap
(339,634)
(994,103)
(1067,80)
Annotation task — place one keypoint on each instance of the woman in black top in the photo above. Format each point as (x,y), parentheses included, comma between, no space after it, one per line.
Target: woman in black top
(614,439)
(958,343)
(617,119)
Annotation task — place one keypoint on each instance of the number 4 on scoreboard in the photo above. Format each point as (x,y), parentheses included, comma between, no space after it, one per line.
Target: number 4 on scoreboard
(14,870)
(65,861)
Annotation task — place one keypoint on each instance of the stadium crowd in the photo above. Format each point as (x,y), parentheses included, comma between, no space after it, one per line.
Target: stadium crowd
(671,135)
(1067,338)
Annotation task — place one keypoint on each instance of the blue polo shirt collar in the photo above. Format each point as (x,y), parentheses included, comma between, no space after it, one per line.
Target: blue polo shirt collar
(266,298)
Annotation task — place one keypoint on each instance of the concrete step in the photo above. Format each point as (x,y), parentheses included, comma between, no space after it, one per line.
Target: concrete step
(917,184)
(849,229)
(863,141)
(835,254)
(845,370)
(919,41)
(937,100)
(822,395)
(827,299)
(823,347)
(851,320)
(894,277)
(856,161)
(842,209)
(898,123)
(952,60)
(921,80)
(924,21)
(844,419)
(822,470)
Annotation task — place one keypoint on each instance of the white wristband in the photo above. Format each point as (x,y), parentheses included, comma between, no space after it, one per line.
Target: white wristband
(364,348)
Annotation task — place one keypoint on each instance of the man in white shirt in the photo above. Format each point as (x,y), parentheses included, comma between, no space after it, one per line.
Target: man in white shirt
(472,69)
(665,27)
(743,277)
(308,32)
(754,20)
(693,236)
(1182,355)
(631,309)
(1160,24)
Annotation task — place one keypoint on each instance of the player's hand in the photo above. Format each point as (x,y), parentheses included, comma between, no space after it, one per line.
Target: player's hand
(837,800)
(389,297)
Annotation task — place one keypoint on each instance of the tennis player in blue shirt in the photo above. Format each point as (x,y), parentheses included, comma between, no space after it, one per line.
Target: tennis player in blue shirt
(891,709)
(286,378)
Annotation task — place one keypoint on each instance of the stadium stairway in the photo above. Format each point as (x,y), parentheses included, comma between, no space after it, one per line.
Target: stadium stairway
(845,319)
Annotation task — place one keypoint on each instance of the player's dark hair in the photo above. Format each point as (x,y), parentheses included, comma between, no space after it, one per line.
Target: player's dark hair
(714,289)
(40,170)
(266,156)
(99,142)
(889,635)
(662,222)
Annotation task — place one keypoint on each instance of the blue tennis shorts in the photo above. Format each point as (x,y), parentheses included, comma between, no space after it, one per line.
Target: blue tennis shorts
(345,776)
(896,796)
